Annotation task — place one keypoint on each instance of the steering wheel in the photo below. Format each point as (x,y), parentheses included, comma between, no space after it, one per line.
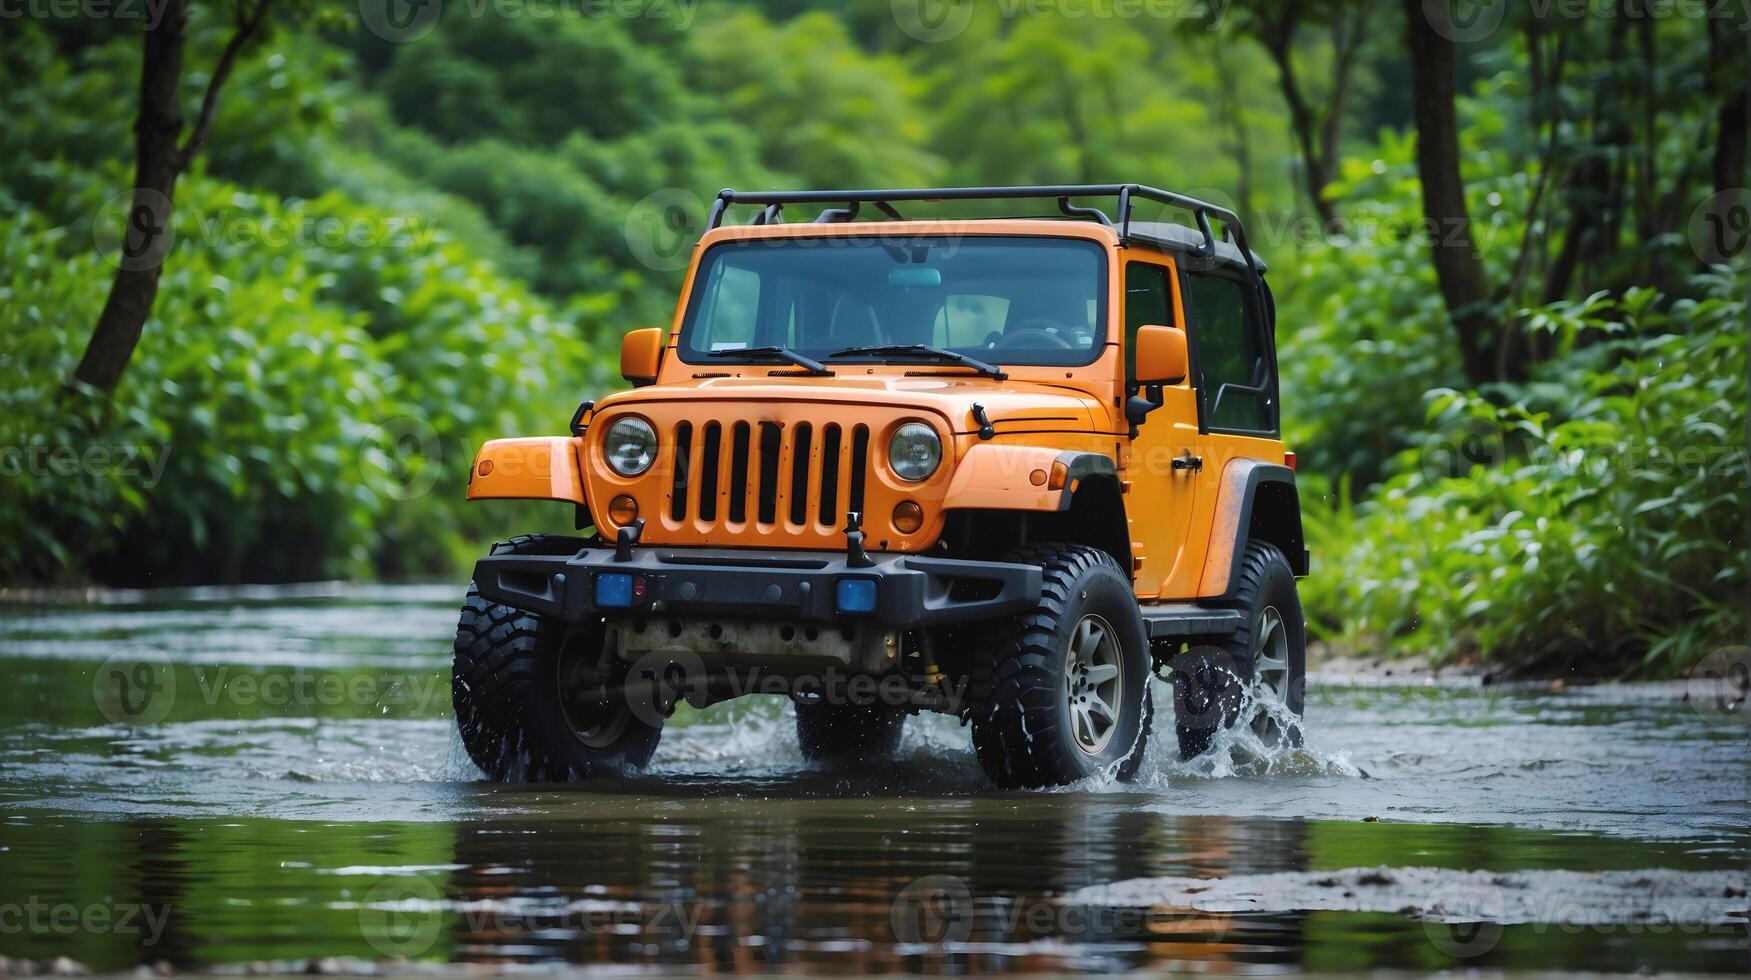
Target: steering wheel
(1028,334)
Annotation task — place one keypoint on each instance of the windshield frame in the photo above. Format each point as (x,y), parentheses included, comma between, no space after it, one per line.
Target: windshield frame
(700,278)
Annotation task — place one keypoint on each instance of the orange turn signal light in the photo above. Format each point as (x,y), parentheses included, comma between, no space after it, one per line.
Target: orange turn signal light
(908,517)
(623,510)
(1060,476)
(486,467)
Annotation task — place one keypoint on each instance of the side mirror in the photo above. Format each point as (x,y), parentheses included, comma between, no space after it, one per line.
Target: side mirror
(641,351)
(1161,356)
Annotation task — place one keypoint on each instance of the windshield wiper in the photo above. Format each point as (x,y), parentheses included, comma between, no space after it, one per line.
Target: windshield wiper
(924,352)
(808,364)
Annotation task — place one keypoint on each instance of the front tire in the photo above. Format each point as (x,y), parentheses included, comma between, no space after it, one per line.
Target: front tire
(521,687)
(1214,686)
(1064,694)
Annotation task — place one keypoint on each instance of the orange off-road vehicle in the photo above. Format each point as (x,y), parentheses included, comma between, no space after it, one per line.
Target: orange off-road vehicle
(1005,469)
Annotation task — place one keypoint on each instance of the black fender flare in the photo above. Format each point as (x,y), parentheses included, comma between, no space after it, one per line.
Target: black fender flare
(1257,501)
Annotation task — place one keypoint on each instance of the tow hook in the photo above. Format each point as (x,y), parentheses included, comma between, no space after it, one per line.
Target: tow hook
(626,539)
(855,556)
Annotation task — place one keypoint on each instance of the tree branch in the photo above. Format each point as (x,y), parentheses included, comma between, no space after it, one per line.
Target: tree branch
(247,22)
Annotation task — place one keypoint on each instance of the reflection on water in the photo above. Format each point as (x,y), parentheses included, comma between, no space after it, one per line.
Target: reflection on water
(265,817)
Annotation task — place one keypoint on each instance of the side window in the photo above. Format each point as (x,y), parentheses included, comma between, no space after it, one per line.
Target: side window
(1147,303)
(1236,385)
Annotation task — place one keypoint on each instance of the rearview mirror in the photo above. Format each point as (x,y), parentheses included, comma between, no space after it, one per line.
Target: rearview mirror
(641,352)
(1161,355)
(915,277)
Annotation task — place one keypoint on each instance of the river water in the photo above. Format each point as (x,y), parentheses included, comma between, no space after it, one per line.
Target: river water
(220,778)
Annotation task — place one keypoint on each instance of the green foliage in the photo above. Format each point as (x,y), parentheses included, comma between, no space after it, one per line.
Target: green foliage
(1603,534)
(314,380)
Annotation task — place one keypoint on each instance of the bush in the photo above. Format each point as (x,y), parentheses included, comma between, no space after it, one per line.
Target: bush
(315,400)
(1606,538)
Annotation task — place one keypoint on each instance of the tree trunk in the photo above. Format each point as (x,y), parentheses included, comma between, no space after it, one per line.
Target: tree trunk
(1728,58)
(1459,269)
(157,163)
(1301,120)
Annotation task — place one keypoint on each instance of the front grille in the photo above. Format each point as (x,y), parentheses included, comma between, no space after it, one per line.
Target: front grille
(802,472)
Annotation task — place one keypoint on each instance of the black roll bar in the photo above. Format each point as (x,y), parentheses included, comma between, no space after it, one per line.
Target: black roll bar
(882,200)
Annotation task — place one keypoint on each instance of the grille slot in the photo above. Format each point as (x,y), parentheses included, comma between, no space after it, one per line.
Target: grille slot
(830,438)
(709,454)
(804,476)
(771,446)
(683,466)
(859,456)
(801,464)
(739,473)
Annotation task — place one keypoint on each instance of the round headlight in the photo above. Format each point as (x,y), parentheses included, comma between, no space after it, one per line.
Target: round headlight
(915,452)
(631,446)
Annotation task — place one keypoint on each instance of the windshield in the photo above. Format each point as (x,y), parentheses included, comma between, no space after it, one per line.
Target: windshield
(998,300)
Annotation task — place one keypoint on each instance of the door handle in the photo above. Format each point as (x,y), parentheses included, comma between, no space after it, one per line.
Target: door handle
(1188,462)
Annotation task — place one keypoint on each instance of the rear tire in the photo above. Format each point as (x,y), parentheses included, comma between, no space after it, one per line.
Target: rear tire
(520,689)
(1064,694)
(848,733)
(1211,684)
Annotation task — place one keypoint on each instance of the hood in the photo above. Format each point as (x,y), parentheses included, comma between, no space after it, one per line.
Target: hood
(1009,405)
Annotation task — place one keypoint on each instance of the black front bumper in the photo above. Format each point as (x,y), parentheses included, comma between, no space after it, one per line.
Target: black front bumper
(910,590)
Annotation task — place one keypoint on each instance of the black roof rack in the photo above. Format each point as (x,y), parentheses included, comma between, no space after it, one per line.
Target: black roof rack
(1202,242)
